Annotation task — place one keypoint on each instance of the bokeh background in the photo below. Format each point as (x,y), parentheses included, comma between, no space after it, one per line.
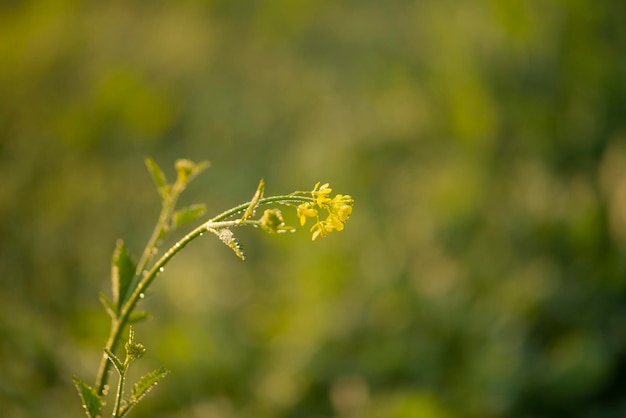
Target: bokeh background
(482,273)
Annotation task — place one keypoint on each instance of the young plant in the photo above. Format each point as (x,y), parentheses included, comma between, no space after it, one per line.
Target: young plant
(130,279)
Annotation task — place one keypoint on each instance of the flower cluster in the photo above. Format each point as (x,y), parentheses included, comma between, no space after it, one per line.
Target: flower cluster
(338,208)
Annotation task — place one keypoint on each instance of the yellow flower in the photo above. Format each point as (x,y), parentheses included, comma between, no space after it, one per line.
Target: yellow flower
(306,210)
(321,195)
(333,223)
(319,230)
(339,209)
(341,206)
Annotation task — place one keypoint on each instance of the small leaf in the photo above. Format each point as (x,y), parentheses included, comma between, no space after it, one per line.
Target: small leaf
(133,350)
(117,363)
(237,248)
(108,305)
(227,237)
(92,402)
(122,273)
(141,388)
(146,383)
(138,316)
(255,201)
(186,170)
(188,214)
(159,178)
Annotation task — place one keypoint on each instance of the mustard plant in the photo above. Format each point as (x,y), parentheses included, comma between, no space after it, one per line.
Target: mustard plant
(130,280)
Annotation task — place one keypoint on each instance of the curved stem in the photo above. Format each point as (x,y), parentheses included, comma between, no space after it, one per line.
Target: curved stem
(288,199)
(217,222)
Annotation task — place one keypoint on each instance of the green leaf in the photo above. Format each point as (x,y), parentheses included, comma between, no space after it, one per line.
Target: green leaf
(187,214)
(92,402)
(134,350)
(117,363)
(146,383)
(255,200)
(141,388)
(122,273)
(108,305)
(159,178)
(138,316)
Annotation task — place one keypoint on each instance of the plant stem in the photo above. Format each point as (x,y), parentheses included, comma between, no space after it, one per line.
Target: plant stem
(218,222)
(120,393)
(161,226)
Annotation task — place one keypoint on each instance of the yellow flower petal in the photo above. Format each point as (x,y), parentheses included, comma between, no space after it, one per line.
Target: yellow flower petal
(306,210)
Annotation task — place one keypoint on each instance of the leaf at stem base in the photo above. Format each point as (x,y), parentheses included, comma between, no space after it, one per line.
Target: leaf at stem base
(90,399)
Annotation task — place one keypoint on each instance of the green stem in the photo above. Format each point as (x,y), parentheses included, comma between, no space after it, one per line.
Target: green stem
(167,208)
(288,199)
(154,238)
(218,222)
(120,393)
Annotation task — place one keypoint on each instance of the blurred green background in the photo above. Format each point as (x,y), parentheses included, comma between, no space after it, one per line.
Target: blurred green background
(482,273)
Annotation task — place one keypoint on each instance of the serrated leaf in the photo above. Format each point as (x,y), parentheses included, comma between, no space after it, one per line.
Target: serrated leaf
(227,237)
(146,383)
(255,200)
(159,178)
(141,389)
(108,305)
(187,214)
(117,363)
(237,248)
(138,316)
(92,402)
(122,273)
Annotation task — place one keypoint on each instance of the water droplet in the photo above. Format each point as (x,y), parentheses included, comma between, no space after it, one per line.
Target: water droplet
(105,390)
(154,251)
(145,273)
(201,233)
(141,296)
(161,269)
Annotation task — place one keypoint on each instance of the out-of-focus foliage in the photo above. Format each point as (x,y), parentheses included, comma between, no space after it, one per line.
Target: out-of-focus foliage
(482,273)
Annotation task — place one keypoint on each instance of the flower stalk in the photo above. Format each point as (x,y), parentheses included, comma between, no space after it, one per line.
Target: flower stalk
(130,281)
